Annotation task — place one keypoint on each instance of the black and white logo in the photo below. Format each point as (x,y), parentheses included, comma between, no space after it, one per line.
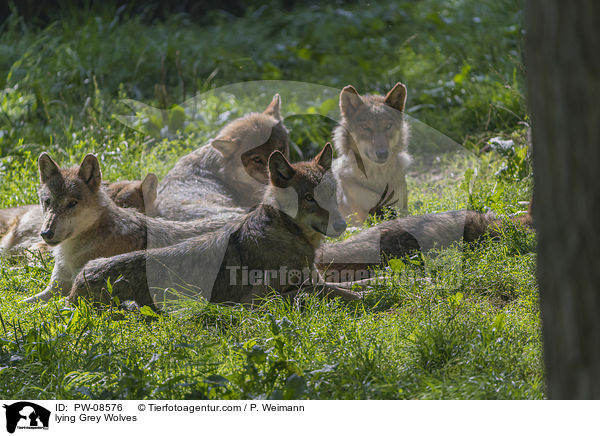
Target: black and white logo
(26,415)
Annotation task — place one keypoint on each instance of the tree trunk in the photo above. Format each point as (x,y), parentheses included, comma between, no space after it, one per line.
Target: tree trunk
(562,57)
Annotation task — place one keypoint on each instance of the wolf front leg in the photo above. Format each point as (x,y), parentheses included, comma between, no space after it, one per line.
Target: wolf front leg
(324,291)
(60,284)
(403,196)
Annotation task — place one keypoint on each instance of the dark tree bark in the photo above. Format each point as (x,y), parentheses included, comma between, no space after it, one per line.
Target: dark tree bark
(562,57)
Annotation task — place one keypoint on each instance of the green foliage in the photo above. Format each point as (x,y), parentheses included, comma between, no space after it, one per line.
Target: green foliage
(460,60)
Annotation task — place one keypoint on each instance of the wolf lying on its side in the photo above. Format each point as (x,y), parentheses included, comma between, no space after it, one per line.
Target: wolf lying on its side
(279,236)
(228,173)
(23,229)
(397,238)
(83,223)
(371,143)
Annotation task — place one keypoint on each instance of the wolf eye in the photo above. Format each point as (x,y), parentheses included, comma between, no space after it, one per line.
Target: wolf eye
(366,127)
(257,160)
(309,197)
(72,204)
(388,126)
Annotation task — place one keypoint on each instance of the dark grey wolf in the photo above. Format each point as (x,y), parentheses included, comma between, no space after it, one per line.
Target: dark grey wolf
(403,236)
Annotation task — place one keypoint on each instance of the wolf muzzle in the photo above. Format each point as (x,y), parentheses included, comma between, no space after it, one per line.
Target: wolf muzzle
(47,234)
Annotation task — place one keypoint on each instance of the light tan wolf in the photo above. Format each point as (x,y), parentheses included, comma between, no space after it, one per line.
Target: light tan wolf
(271,248)
(372,148)
(23,231)
(8,216)
(136,194)
(83,223)
(227,173)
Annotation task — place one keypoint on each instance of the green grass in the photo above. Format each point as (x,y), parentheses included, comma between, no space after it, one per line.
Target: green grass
(469,335)
(463,323)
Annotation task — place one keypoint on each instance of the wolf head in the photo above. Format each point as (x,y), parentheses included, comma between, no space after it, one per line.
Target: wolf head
(71,198)
(140,195)
(246,144)
(375,123)
(306,191)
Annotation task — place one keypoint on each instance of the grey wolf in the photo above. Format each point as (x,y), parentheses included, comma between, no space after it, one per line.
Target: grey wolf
(402,236)
(83,223)
(23,230)
(372,148)
(139,195)
(280,235)
(227,173)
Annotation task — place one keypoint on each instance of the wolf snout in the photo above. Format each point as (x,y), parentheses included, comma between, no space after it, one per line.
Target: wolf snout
(47,234)
(338,226)
(382,155)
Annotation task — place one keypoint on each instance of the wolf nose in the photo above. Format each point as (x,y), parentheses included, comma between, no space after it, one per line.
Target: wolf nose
(382,154)
(47,234)
(339,226)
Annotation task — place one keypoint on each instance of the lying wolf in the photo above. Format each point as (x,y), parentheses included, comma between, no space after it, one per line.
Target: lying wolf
(372,148)
(83,223)
(274,245)
(403,236)
(229,172)
(9,215)
(23,231)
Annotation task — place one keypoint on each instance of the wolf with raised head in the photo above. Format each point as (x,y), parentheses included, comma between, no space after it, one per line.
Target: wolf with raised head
(23,231)
(228,173)
(83,223)
(372,152)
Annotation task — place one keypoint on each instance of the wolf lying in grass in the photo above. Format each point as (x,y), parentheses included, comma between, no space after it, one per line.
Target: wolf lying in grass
(372,147)
(83,223)
(397,238)
(9,215)
(274,244)
(23,231)
(227,173)
(139,195)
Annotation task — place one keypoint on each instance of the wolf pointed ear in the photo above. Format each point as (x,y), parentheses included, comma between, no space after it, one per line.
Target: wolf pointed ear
(396,98)
(325,158)
(274,108)
(280,170)
(225,145)
(350,101)
(89,172)
(149,187)
(47,167)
